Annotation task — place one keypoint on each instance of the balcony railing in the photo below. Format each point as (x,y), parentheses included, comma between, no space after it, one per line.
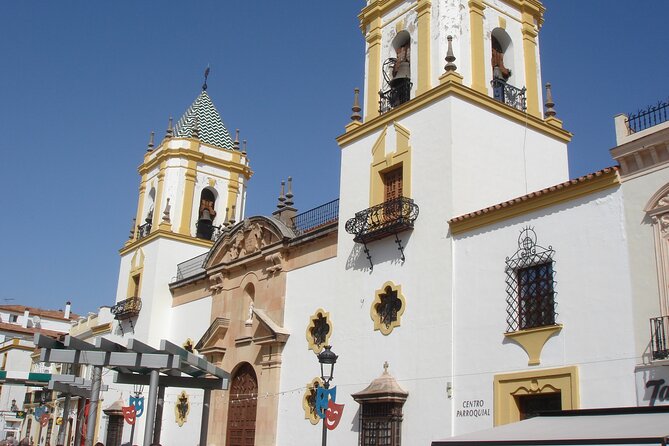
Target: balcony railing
(659,329)
(394,96)
(191,267)
(508,94)
(388,218)
(316,218)
(643,119)
(143,230)
(127,308)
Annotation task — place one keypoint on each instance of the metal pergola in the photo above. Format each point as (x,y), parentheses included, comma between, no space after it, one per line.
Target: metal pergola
(136,363)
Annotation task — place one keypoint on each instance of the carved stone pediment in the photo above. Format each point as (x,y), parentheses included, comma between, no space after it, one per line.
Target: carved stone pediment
(245,239)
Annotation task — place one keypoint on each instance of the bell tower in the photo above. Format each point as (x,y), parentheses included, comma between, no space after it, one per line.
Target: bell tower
(462,79)
(193,185)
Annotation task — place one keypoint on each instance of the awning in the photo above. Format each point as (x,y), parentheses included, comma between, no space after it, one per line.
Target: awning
(638,425)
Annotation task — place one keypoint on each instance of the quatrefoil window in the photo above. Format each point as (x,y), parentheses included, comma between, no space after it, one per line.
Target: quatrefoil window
(388,307)
(319,330)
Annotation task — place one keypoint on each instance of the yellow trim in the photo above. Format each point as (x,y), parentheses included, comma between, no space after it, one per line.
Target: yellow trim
(233,193)
(509,385)
(180,420)
(382,163)
(310,414)
(317,348)
(531,73)
(373,39)
(457,89)
(168,235)
(15,345)
(136,268)
(188,154)
(140,204)
(157,205)
(533,341)
(101,329)
(502,22)
(378,325)
(424,73)
(188,198)
(476,15)
(558,194)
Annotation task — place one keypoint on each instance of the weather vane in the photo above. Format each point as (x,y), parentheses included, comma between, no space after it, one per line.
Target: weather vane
(206,75)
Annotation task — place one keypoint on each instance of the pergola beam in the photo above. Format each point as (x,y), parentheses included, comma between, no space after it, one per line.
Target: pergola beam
(186,382)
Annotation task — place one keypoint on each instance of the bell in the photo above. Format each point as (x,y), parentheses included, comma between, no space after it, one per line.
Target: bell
(205,215)
(402,73)
(204,227)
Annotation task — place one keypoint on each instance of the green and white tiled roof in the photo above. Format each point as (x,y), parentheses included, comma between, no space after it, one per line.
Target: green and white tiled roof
(211,129)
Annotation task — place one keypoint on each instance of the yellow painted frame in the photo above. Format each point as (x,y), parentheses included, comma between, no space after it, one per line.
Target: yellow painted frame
(508,386)
(378,324)
(533,340)
(382,163)
(136,269)
(308,413)
(317,348)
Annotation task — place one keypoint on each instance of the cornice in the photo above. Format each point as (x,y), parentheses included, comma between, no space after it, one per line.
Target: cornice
(570,190)
(456,89)
(161,233)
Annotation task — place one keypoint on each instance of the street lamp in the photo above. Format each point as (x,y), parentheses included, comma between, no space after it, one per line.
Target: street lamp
(327,359)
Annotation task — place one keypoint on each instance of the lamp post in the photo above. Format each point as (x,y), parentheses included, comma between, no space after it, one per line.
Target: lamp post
(327,359)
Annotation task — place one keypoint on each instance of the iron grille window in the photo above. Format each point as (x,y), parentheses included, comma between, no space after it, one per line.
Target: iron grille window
(535,295)
(530,284)
(381,424)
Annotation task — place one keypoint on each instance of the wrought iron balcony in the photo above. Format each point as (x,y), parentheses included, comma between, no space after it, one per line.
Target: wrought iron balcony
(316,218)
(659,329)
(394,96)
(143,230)
(127,308)
(508,94)
(382,220)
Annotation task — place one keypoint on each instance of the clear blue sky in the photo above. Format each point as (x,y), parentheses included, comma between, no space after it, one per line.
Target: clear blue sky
(83,83)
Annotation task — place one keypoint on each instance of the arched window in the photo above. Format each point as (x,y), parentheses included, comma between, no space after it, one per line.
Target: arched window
(397,74)
(501,60)
(206,214)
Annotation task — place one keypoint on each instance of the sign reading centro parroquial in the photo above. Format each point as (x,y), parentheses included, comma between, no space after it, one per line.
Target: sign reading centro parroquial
(652,385)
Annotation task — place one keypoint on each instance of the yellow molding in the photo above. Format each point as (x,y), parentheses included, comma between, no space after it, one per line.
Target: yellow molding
(157,206)
(168,235)
(16,345)
(531,73)
(508,386)
(233,192)
(140,203)
(102,328)
(373,69)
(193,155)
(376,317)
(312,345)
(424,53)
(309,412)
(441,91)
(536,202)
(188,198)
(533,340)
(383,162)
(478,64)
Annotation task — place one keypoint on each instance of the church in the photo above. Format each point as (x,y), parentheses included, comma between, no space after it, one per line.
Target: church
(462,279)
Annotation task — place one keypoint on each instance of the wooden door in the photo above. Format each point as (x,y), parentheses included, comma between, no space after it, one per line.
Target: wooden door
(242,408)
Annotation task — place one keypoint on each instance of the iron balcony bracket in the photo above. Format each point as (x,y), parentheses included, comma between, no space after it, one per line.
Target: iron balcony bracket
(400,248)
(369,256)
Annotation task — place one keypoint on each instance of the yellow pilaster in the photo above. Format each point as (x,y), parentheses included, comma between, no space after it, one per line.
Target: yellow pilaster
(373,68)
(157,208)
(188,198)
(233,187)
(530,53)
(424,11)
(476,8)
(139,220)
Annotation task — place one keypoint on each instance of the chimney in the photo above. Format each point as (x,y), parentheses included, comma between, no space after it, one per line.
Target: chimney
(26,316)
(68,306)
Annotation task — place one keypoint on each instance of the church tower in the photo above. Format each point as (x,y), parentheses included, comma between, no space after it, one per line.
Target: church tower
(193,185)
(463,79)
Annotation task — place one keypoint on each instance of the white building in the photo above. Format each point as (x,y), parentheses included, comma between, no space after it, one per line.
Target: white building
(464,280)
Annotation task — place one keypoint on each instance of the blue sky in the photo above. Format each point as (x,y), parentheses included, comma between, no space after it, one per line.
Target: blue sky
(83,84)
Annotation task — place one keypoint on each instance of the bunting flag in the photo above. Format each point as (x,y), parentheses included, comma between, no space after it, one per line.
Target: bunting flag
(333,415)
(129,414)
(138,403)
